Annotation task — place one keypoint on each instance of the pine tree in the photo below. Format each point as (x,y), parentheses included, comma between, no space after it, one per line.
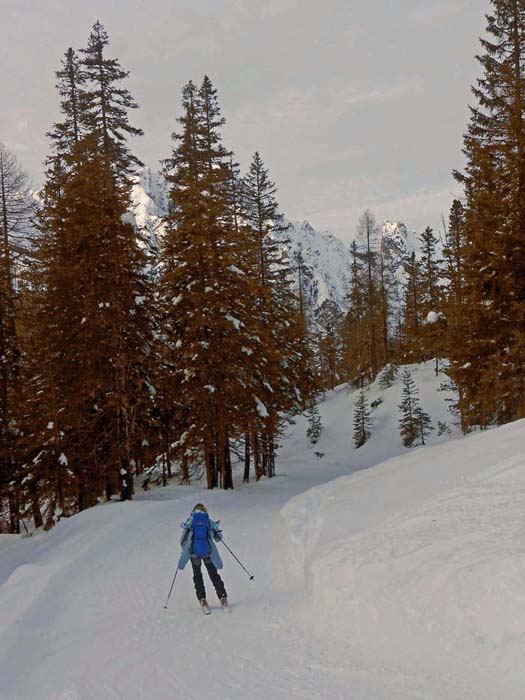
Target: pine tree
(489,365)
(66,134)
(92,339)
(362,422)
(367,234)
(106,104)
(213,329)
(414,424)
(388,375)
(275,307)
(330,344)
(430,272)
(356,338)
(454,253)
(413,312)
(431,299)
(315,425)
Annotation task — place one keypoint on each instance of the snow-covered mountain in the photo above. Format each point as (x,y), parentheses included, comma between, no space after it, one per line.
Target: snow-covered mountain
(326,257)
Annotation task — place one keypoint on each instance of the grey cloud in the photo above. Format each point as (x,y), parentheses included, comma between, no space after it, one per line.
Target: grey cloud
(351,104)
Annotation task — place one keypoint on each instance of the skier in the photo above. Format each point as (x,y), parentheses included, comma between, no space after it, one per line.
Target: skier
(126,481)
(199,534)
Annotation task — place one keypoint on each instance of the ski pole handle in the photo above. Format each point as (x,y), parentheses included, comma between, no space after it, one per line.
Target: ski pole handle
(239,562)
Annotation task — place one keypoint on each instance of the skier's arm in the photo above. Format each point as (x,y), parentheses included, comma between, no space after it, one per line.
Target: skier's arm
(186,526)
(217,532)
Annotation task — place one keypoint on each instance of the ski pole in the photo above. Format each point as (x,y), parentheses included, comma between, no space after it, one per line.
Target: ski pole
(172,584)
(240,563)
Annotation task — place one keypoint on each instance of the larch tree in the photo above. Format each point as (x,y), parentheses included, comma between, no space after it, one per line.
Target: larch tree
(16,211)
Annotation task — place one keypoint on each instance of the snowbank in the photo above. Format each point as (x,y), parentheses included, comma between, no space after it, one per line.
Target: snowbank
(419,562)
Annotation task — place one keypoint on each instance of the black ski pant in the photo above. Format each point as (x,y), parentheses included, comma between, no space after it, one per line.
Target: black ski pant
(199,581)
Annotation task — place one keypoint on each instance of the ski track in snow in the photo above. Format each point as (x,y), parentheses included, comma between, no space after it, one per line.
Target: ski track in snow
(400,582)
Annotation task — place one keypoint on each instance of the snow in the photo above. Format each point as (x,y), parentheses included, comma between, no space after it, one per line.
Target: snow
(434,317)
(261,408)
(234,321)
(401,581)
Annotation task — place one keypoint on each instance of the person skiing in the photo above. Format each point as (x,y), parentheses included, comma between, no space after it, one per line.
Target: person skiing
(199,534)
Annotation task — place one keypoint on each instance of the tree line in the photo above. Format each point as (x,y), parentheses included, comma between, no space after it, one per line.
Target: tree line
(112,361)
(462,301)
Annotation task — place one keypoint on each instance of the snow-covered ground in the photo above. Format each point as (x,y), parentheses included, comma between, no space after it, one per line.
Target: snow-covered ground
(402,581)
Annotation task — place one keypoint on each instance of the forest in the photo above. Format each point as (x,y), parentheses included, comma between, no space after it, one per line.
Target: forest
(117,362)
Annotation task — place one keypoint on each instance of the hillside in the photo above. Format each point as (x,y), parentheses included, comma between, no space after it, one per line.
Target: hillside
(403,580)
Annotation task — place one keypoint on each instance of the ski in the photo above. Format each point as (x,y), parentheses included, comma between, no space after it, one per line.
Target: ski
(206,610)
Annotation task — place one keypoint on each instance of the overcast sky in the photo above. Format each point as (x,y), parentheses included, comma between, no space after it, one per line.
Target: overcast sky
(351,104)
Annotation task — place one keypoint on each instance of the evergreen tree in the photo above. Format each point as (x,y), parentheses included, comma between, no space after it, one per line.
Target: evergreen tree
(275,307)
(66,134)
(489,365)
(430,272)
(315,425)
(92,338)
(330,344)
(362,422)
(453,253)
(388,375)
(367,233)
(414,424)
(356,338)
(106,104)
(213,328)
(413,312)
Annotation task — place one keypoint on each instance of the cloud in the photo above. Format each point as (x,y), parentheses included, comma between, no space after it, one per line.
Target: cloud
(436,12)
(385,93)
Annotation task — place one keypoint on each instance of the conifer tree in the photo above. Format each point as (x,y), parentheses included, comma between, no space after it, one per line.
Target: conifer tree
(388,375)
(330,344)
(362,422)
(489,365)
(106,104)
(453,253)
(430,272)
(275,307)
(66,134)
(367,233)
(414,424)
(315,425)
(213,329)
(16,210)
(356,338)
(413,311)
(92,340)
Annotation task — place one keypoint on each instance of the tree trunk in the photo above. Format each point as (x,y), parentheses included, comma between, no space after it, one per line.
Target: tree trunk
(246,478)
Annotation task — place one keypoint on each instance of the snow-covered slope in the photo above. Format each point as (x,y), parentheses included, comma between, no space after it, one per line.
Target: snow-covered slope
(416,567)
(402,581)
(328,260)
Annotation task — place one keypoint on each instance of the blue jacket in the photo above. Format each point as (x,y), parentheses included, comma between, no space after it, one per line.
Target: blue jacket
(186,541)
